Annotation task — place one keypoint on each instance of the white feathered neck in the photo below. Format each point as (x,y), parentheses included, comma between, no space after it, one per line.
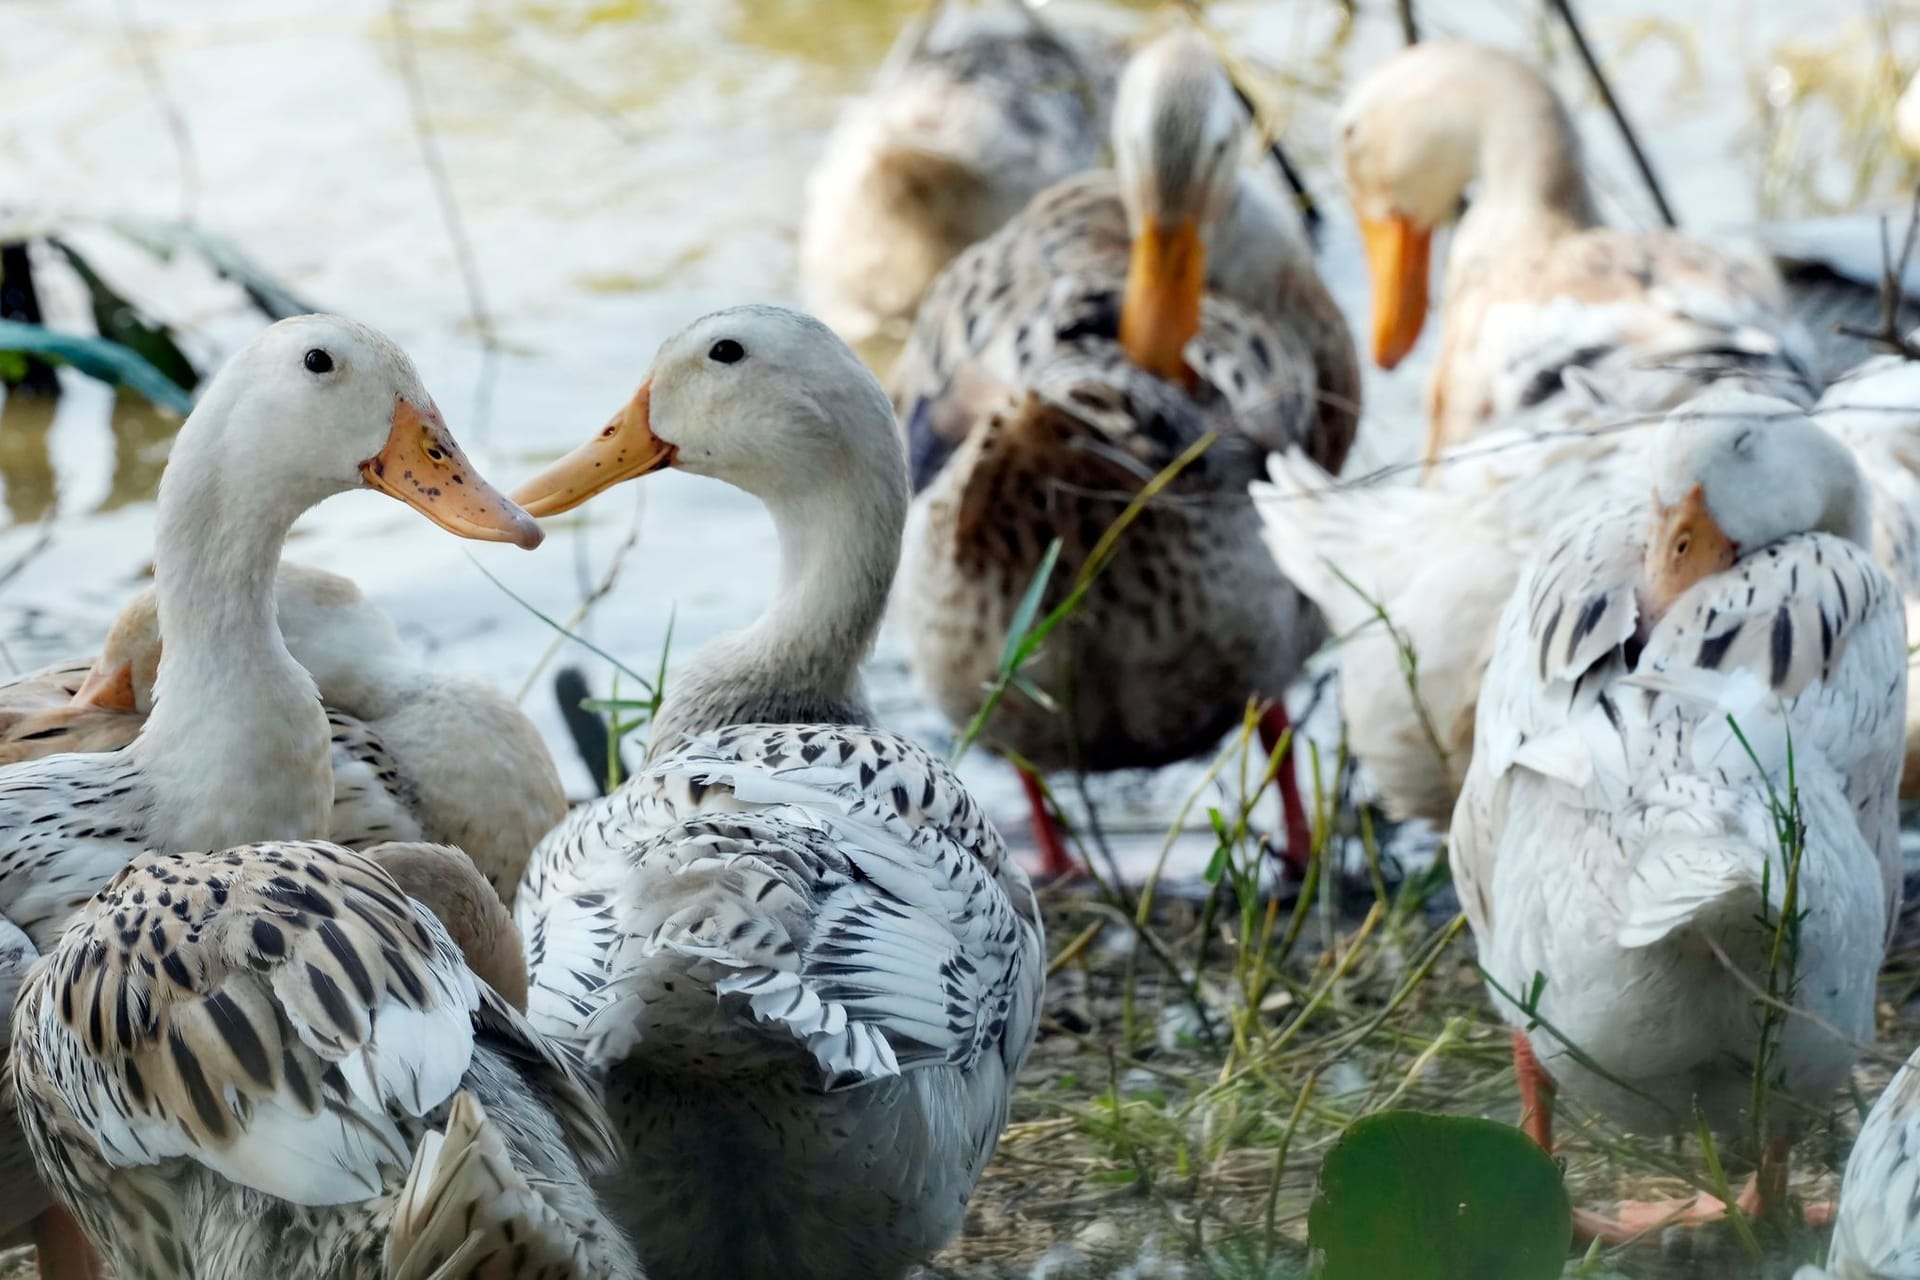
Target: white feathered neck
(237,743)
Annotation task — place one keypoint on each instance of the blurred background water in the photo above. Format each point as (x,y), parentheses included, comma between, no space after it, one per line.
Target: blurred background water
(617,169)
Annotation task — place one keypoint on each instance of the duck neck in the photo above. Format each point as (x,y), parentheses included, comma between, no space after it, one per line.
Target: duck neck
(1532,186)
(800,662)
(237,744)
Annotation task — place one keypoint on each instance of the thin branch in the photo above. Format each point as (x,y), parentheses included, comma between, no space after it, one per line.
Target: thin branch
(1640,161)
(1409,29)
(1865,1050)
(140,45)
(469,264)
(1893,276)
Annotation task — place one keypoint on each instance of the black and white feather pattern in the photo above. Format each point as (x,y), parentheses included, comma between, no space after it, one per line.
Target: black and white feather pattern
(1877,1230)
(1618,816)
(821,919)
(230,1061)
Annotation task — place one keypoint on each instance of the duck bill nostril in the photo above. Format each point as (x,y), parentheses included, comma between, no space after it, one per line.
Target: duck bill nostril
(423,466)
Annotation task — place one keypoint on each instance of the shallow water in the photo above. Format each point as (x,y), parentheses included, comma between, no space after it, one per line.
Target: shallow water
(619,168)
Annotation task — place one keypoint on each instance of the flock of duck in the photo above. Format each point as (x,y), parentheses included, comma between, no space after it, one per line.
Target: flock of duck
(312,973)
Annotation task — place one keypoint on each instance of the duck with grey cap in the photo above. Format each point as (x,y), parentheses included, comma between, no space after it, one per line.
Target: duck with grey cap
(1054,369)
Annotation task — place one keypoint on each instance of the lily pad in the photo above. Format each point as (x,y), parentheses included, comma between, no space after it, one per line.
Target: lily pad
(97,358)
(1428,1197)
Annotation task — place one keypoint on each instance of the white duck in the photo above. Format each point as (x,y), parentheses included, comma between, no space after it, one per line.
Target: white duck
(237,746)
(1535,284)
(1875,409)
(793,948)
(418,754)
(268,1061)
(1440,559)
(1876,1234)
(1615,841)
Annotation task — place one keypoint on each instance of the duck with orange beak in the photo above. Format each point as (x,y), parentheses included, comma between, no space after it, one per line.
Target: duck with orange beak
(237,748)
(791,947)
(1538,294)
(1665,672)
(1113,326)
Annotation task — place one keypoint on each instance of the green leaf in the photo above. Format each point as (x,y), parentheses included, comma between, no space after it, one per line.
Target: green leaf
(1029,606)
(97,358)
(1428,1197)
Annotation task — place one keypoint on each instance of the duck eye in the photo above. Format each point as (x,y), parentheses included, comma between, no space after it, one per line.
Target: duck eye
(318,361)
(726,351)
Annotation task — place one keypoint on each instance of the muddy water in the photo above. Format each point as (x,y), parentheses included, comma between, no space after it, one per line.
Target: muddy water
(619,168)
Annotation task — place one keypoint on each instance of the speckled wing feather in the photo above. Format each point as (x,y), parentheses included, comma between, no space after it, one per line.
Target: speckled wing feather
(467,1213)
(1651,317)
(1803,645)
(1050,282)
(1802,639)
(61,855)
(1877,1230)
(68,824)
(836,889)
(373,800)
(1875,409)
(279,1015)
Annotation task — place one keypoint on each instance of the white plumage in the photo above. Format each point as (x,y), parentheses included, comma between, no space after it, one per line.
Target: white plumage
(1617,840)
(792,949)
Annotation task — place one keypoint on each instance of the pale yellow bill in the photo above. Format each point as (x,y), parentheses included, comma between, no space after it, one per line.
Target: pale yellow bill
(423,467)
(625,448)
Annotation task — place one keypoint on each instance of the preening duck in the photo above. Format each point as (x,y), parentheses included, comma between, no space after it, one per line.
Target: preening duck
(237,746)
(1535,284)
(1616,841)
(792,949)
(1440,559)
(272,1060)
(418,754)
(1117,322)
(975,111)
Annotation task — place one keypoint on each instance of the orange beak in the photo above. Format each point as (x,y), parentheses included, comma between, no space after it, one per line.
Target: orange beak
(1166,278)
(1397,258)
(625,448)
(423,467)
(107,689)
(1687,545)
